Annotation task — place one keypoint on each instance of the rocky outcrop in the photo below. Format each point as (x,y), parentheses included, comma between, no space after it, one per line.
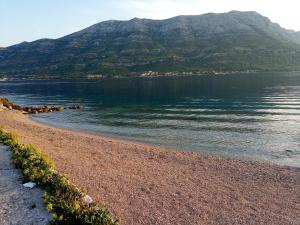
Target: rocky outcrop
(5,104)
(43,109)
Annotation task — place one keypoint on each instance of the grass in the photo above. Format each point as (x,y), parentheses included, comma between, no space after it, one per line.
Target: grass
(63,199)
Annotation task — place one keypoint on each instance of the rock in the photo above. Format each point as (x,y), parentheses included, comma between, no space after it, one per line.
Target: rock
(5,102)
(75,107)
(2,107)
(87,199)
(29,185)
(60,108)
(17,107)
(46,109)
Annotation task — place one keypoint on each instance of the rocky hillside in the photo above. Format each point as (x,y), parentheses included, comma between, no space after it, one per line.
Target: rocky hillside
(222,42)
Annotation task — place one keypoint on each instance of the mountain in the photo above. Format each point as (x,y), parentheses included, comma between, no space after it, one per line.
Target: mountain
(221,42)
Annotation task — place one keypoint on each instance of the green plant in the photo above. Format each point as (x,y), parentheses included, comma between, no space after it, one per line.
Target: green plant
(62,198)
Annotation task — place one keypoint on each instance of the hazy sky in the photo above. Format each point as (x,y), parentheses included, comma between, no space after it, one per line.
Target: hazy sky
(28,20)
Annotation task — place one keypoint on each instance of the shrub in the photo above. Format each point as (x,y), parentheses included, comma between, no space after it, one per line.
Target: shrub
(62,198)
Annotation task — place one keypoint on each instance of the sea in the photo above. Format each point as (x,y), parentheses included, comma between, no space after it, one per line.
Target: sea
(247,116)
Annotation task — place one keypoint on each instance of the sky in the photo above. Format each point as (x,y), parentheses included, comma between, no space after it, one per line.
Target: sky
(29,20)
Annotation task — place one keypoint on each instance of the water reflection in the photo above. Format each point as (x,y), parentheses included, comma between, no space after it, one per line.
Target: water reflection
(253,115)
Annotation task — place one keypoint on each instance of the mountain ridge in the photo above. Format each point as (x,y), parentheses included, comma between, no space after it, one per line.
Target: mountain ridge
(199,43)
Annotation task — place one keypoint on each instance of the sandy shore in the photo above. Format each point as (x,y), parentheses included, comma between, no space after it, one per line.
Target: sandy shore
(143,184)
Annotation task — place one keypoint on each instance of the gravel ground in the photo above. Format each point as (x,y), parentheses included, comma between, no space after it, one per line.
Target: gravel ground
(149,185)
(18,205)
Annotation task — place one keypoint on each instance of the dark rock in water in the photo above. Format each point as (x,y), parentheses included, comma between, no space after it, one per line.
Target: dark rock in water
(46,109)
(26,109)
(75,107)
(43,109)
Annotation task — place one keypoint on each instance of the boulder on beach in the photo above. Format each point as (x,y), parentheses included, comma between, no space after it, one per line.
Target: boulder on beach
(5,102)
(17,107)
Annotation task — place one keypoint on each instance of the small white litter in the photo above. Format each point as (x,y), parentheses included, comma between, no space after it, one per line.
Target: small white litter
(53,170)
(87,199)
(29,185)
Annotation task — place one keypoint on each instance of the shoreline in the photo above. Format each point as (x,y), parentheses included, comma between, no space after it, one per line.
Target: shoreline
(162,147)
(278,162)
(157,185)
(179,75)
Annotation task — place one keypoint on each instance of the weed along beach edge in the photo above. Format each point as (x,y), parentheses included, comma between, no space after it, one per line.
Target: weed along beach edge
(67,203)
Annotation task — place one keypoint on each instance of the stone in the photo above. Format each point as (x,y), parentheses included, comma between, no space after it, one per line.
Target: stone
(87,199)
(75,107)
(60,108)
(17,107)
(29,185)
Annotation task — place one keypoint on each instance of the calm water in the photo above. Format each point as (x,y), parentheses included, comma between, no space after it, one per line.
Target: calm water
(254,116)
